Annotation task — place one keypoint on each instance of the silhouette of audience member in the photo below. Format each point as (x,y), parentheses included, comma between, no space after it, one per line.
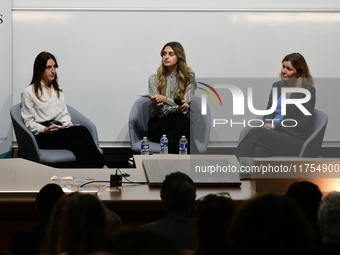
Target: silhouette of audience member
(28,241)
(213,215)
(178,193)
(142,241)
(84,226)
(6,253)
(308,197)
(114,220)
(270,224)
(50,244)
(329,219)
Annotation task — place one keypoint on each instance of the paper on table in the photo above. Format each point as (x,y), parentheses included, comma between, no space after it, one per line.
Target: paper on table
(144,95)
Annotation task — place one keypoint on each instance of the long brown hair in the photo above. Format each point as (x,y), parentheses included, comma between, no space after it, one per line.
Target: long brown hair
(183,73)
(38,68)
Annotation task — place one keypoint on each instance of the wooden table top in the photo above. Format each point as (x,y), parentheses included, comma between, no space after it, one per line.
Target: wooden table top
(20,180)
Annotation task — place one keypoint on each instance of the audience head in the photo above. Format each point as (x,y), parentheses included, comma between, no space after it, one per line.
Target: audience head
(84,226)
(308,197)
(213,215)
(142,241)
(300,64)
(178,192)
(329,218)
(52,232)
(46,199)
(114,220)
(270,224)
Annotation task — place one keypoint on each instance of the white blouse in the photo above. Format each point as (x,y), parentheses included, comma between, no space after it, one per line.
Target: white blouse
(35,111)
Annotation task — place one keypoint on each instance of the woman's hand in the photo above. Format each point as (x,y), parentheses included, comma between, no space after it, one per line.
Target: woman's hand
(158,99)
(268,126)
(184,107)
(49,130)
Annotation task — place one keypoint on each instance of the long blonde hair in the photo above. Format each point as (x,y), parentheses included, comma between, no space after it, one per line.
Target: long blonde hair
(300,64)
(183,73)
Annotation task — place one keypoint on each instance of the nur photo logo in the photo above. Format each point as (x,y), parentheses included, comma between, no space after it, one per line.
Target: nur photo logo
(239,101)
(209,93)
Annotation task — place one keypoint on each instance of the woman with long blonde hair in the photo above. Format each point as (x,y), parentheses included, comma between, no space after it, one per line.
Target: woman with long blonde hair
(171,91)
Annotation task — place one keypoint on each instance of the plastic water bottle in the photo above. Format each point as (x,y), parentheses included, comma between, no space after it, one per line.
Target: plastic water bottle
(164,145)
(183,146)
(145,146)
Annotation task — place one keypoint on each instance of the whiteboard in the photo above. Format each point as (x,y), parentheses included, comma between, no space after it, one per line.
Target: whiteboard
(5,79)
(106,57)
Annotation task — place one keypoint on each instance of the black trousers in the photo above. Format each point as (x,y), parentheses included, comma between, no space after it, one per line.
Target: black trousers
(173,126)
(261,142)
(76,139)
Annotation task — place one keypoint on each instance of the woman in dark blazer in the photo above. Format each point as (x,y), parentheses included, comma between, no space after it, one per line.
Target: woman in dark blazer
(284,135)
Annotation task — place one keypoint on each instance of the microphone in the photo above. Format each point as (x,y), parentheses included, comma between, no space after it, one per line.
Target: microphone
(178,101)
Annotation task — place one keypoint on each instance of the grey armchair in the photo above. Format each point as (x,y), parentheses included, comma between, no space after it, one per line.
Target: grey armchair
(138,124)
(201,124)
(141,113)
(28,147)
(312,146)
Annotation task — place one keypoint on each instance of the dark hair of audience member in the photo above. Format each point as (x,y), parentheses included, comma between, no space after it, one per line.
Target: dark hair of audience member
(270,224)
(30,240)
(178,192)
(114,220)
(84,226)
(142,241)
(52,232)
(329,219)
(308,197)
(213,215)
(46,199)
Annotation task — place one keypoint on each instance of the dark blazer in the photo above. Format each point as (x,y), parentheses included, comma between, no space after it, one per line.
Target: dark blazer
(28,241)
(177,226)
(304,127)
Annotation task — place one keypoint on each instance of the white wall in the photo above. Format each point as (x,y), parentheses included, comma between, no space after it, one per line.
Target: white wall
(5,79)
(192,4)
(106,51)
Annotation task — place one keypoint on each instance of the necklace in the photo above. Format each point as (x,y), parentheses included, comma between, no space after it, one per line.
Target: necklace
(46,87)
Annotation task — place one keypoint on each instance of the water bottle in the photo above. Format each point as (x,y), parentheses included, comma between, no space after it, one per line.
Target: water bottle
(145,146)
(164,145)
(183,146)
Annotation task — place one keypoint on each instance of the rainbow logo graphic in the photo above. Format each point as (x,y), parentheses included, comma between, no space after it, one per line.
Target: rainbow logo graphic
(209,93)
